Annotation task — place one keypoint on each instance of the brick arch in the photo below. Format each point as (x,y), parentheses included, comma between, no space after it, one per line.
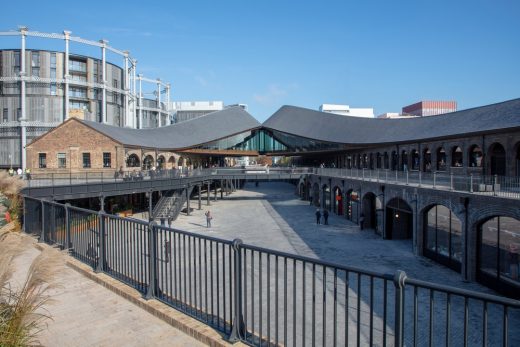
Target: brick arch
(480,215)
(456,208)
(151,153)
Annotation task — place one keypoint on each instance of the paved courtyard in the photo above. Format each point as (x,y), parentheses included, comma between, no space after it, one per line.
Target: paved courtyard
(272,216)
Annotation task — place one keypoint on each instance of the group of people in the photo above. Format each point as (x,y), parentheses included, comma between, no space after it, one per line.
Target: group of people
(325,215)
(19,172)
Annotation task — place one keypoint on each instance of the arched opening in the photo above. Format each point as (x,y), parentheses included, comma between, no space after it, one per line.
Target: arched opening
(456,157)
(133,161)
(180,162)
(371,161)
(316,195)
(394,160)
(369,211)
(338,201)
(399,220)
(404,160)
(326,197)
(497,155)
(380,212)
(365,161)
(349,162)
(160,162)
(378,160)
(498,249)
(148,162)
(171,162)
(427,160)
(352,206)
(475,156)
(308,192)
(441,159)
(415,160)
(442,236)
(386,161)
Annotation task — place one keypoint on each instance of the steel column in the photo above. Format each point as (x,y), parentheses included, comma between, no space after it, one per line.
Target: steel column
(66,76)
(200,201)
(23,132)
(104,63)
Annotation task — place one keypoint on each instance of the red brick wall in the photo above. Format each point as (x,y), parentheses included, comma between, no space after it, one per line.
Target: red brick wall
(74,138)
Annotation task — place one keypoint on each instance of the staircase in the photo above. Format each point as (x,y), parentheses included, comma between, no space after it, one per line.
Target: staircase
(171,204)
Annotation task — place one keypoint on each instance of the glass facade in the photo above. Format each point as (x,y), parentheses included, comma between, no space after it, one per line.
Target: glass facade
(499,248)
(443,237)
(268,141)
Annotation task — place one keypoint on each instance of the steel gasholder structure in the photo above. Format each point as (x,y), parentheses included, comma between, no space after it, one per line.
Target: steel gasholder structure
(39,89)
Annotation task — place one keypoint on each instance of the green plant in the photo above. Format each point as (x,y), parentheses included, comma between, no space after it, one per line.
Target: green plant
(22,312)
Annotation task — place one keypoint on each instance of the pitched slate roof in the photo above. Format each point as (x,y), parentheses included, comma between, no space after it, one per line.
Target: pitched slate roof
(213,126)
(355,130)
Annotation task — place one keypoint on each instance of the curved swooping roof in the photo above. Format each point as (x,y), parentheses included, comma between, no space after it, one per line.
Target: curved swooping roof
(355,130)
(213,126)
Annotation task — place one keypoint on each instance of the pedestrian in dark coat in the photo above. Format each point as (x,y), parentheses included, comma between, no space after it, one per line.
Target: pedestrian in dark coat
(326,216)
(318,216)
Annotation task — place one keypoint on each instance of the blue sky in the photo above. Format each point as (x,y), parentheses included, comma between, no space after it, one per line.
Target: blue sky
(381,54)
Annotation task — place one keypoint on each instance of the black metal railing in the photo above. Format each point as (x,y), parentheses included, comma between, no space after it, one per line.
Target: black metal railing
(265,297)
(111,176)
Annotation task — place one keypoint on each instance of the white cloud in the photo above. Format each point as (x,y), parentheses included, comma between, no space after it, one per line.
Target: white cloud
(274,94)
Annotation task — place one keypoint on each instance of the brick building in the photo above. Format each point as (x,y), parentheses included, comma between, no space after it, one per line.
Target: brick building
(430,108)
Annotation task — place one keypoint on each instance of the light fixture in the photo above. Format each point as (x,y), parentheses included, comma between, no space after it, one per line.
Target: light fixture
(396,215)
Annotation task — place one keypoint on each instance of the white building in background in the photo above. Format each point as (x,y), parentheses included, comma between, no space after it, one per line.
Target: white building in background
(185,110)
(346,110)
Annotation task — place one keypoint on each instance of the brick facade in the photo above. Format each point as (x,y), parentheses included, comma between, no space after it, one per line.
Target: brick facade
(73,139)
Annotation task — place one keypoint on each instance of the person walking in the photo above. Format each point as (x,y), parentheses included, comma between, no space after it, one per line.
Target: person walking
(361,221)
(326,216)
(318,216)
(209,217)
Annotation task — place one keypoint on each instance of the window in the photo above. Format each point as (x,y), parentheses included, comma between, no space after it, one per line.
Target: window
(79,66)
(107,159)
(499,250)
(78,78)
(53,73)
(16,63)
(443,236)
(35,59)
(76,92)
(78,105)
(114,83)
(18,114)
(5,115)
(42,160)
(62,160)
(86,160)
(35,64)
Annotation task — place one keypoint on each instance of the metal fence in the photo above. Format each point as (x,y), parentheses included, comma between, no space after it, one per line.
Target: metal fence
(503,186)
(268,298)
